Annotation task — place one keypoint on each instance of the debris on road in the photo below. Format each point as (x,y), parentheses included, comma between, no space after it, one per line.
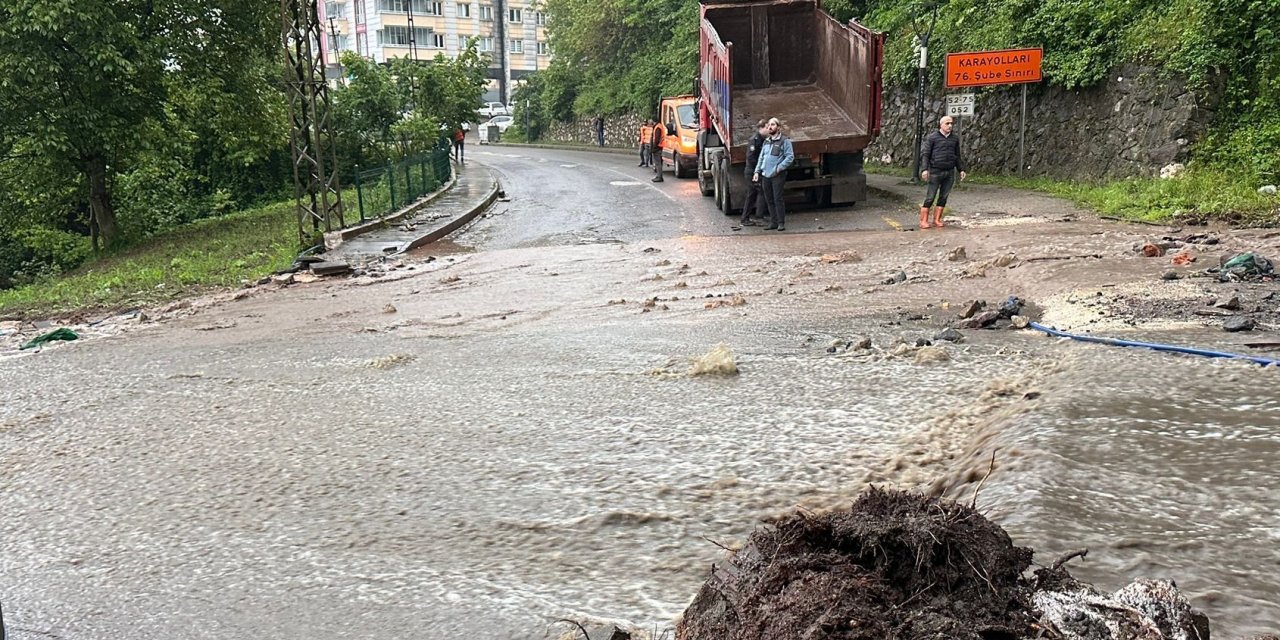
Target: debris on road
(842,257)
(387,362)
(1183,259)
(897,278)
(949,335)
(932,355)
(1239,323)
(1231,303)
(982,320)
(390,308)
(902,565)
(957,254)
(57,335)
(717,362)
(1244,267)
(329,268)
(971,309)
(735,301)
(1152,250)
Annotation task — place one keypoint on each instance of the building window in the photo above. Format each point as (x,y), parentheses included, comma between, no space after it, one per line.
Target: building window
(540,18)
(464,10)
(485,44)
(423,7)
(436,41)
(515,15)
(543,49)
(331,9)
(398,36)
(486,13)
(517,46)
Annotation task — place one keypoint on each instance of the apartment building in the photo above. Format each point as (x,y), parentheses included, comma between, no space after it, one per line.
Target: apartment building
(512,32)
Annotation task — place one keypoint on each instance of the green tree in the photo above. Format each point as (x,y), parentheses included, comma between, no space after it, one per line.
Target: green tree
(88,86)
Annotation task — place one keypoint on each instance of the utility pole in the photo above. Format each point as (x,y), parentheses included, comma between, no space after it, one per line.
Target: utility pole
(315,163)
(413,36)
(500,30)
(922,40)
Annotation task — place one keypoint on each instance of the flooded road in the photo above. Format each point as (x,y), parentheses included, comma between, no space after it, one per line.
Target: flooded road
(513,440)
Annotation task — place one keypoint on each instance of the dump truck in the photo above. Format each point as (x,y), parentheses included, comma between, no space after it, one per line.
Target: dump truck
(790,60)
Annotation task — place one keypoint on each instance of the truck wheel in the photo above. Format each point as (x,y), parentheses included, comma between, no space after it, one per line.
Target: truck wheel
(725,199)
(706,180)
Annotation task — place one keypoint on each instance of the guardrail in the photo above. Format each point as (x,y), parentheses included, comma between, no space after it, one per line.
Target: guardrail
(385,190)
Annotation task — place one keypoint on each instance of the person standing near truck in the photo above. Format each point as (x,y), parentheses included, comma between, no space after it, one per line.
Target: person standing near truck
(776,156)
(939,161)
(655,150)
(646,138)
(753,187)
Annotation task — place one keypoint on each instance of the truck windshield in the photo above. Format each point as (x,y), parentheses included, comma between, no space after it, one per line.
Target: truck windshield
(688,116)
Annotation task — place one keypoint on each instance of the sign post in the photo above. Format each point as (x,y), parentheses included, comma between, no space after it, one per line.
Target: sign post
(960,104)
(987,68)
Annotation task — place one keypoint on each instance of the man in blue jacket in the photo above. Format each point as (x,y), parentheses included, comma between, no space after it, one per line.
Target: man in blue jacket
(776,156)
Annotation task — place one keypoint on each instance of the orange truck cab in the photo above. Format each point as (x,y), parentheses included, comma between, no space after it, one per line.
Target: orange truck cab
(679,116)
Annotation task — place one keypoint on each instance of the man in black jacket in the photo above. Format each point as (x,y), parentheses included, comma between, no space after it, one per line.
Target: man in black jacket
(753,187)
(939,161)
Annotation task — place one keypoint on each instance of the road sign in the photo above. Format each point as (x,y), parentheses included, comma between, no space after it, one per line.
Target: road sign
(985,68)
(960,104)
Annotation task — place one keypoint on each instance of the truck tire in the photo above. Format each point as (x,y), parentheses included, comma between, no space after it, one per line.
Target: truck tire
(706,173)
(725,200)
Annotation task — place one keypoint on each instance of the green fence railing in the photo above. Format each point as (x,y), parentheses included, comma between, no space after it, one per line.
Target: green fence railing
(388,189)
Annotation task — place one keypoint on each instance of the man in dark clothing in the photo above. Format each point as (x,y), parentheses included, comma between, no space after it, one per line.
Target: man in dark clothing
(659,132)
(939,161)
(753,187)
(598,126)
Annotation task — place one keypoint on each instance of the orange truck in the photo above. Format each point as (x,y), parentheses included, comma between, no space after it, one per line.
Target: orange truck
(791,60)
(679,116)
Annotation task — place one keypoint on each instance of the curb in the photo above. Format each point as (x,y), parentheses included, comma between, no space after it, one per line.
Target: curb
(567,147)
(379,223)
(457,222)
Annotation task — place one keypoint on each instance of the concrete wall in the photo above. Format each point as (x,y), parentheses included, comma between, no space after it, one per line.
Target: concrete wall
(1136,123)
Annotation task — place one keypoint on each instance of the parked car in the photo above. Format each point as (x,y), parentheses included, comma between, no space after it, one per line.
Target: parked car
(491,109)
(502,122)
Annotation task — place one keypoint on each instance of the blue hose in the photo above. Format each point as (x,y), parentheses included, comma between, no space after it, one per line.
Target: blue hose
(1266,362)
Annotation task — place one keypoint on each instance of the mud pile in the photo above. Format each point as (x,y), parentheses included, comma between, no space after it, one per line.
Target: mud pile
(900,565)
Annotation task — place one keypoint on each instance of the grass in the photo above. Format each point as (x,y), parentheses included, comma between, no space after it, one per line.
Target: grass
(1196,195)
(210,254)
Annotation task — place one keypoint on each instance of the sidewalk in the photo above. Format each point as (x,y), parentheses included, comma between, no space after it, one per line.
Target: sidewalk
(969,199)
(476,188)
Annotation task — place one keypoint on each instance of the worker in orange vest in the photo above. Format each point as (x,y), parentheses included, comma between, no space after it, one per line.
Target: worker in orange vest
(646,139)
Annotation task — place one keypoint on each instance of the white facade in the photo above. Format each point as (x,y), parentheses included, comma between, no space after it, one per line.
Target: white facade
(512,32)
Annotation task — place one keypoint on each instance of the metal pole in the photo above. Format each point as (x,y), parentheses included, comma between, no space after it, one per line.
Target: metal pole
(915,165)
(1022,134)
(526,119)
(359,193)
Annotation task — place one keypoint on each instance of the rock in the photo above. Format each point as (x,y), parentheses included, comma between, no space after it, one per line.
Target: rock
(923,342)
(1183,259)
(957,255)
(1239,323)
(304,278)
(262,281)
(949,335)
(900,277)
(1231,303)
(608,632)
(971,309)
(842,257)
(390,308)
(1151,250)
(329,268)
(860,344)
(1005,260)
(1171,170)
(1267,190)
(1011,307)
(284,279)
(1170,275)
(932,355)
(982,320)
(1020,322)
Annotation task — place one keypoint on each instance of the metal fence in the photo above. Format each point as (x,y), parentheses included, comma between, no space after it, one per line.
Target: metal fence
(385,190)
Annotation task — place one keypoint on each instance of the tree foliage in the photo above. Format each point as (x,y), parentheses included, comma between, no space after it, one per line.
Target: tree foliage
(96,89)
(387,111)
(614,56)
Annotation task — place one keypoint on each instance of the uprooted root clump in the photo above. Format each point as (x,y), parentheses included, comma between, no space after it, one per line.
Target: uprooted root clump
(896,565)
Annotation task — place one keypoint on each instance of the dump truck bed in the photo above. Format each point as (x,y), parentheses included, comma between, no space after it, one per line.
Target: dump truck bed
(790,60)
(808,115)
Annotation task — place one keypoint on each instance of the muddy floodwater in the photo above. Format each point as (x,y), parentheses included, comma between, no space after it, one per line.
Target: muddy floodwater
(507,435)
